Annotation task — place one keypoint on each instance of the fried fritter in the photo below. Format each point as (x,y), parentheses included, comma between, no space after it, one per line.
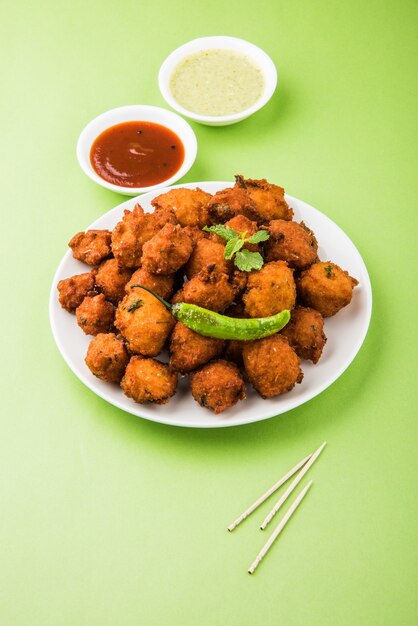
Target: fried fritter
(162,285)
(149,380)
(195,234)
(272,366)
(291,242)
(228,203)
(209,289)
(189,350)
(242,224)
(269,200)
(73,290)
(218,386)
(305,333)
(326,288)
(189,205)
(270,290)
(207,252)
(111,280)
(144,323)
(167,251)
(95,315)
(91,247)
(136,228)
(107,357)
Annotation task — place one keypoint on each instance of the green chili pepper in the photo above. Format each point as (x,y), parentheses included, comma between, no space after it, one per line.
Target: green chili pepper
(211,324)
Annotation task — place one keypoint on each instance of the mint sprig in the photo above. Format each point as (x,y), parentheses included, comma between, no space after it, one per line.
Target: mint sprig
(223,231)
(244,260)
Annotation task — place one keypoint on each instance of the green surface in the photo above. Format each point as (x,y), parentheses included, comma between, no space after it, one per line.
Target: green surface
(111,520)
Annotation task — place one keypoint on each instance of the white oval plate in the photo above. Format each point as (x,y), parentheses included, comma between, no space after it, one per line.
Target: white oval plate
(345,331)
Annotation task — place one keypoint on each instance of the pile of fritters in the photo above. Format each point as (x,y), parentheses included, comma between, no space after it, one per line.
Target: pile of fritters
(168,251)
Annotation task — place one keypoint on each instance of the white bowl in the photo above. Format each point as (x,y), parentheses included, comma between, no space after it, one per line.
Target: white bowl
(258,56)
(133,113)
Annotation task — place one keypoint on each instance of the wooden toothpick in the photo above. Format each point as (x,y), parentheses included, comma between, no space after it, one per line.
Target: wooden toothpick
(268,493)
(279,528)
(292,486)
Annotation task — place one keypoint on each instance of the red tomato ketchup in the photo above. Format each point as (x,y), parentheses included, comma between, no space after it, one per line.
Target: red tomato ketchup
(136,154)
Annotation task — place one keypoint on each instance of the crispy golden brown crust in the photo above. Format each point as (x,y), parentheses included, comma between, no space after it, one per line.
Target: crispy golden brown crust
(167,251)
(270,290)
(195,234)
(135,229)
(242,224)
(107,357)
(218,386)
(111,280)
(95,315)
(272,366)
(305,333)
(210,289)
(326,288)
(189,205)
(91,247)
(171,254)
(189,350)
(268,199)
(162,285)
(149,380)
(144,323)
(291,242)
(207,252)
(74,289)
(228,203)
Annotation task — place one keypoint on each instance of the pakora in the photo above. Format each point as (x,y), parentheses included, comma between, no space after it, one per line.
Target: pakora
(210,289)
(149,380)
(74,289)
(272,365)
(218,386)
(326,287)
(305,333)
(167,251)
(189,350)
(91,247)
(111,279)
(189,205)
(270,290)
(107,357)
(268,199)
(291,242)
(95,315)
(228,203)
(162,285)
(135,229)
(207,252)
(144,323)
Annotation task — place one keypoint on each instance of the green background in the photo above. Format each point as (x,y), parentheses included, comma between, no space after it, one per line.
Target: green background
(109,520)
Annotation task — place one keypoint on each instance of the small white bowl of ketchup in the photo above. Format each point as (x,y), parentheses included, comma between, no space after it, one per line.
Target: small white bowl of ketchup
(135,149)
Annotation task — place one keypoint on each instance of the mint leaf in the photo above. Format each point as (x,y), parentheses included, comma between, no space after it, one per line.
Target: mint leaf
(261,235)
(247,261)
(225,232)
(233,246)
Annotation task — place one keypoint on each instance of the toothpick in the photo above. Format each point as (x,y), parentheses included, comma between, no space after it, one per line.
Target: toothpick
(268,493)
(279,528)
(292,486)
